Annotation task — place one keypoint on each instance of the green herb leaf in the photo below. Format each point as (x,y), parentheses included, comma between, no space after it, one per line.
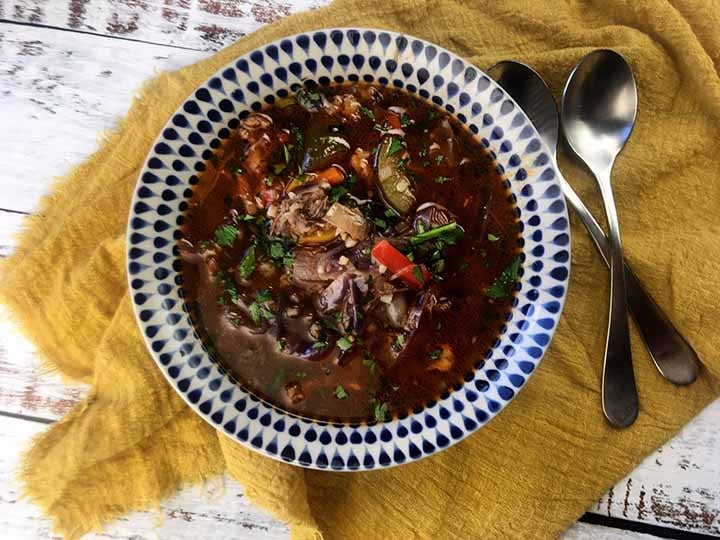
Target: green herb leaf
(379,410)
(298,135)
(380,223)
(225,235)
(442,179)
(501,286)
(395,146)
(258,312)
(367,112)
(439,159)
(399,342)
(370,363)
(237,170)
(278,168)
(344,344)
(286,152)
(204,245)
(247,265)
(319,345)
(405,120)
(492,237)
(435,354)
(281,344)
(262,295)
(340,392)
(418,275)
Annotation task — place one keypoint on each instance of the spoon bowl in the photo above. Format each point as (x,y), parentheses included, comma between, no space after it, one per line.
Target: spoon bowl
(599,107)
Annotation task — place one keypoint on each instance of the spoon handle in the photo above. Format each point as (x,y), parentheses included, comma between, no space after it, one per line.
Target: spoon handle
(619,394)
(673,356)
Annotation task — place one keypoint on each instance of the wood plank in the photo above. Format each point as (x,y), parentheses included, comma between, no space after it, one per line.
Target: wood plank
(206,25)
(586,531)
(675,487)
(60,91)
(198,513)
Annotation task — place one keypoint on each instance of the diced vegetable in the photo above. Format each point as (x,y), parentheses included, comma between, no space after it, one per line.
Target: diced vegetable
(416,276)
(395,186)
(393,121)
(348,220)
(333,175)
(323,236)
(323,151)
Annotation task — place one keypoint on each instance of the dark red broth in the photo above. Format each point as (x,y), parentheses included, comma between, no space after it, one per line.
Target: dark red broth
(350,253)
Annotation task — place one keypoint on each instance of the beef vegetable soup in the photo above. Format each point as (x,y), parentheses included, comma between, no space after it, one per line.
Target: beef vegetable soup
(350,253)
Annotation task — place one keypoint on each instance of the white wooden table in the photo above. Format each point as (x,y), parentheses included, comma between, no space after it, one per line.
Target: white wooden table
(68,70)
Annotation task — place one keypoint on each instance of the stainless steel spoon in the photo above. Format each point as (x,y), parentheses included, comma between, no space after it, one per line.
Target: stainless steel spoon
(674,358)
(598,111)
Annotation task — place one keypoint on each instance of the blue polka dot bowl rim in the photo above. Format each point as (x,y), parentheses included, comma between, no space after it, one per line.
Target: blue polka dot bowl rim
(258,78)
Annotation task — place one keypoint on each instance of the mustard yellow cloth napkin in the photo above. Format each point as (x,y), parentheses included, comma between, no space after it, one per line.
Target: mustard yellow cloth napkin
(527,474)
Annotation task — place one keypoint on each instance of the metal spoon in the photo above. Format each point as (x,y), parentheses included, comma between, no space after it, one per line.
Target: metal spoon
(599,105)
(673,356)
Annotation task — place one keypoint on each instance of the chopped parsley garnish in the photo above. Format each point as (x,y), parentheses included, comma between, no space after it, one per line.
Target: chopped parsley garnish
(368,113)
(337,193)
(299,139)
(370,363)
(399,342)
(258,312)
(319,345)
(344,344)
(247,265)
(439,326)
(227,282)
(442,179)
(379,410)
(380,223)
(492,237)
(405,120)
(277,169)
(286,153)
(432,114)
(418,275)
(262,295)
(439,159)
(225,235)
(501,286)
(435,354)
(204,245)
(237,170)
(395,146)
(340,392)
(280,346)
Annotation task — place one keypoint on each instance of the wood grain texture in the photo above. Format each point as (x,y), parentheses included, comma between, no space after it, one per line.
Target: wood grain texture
(206,25)
(59,91)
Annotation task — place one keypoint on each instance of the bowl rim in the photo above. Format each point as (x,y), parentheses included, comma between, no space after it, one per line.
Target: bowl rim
(388,443)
